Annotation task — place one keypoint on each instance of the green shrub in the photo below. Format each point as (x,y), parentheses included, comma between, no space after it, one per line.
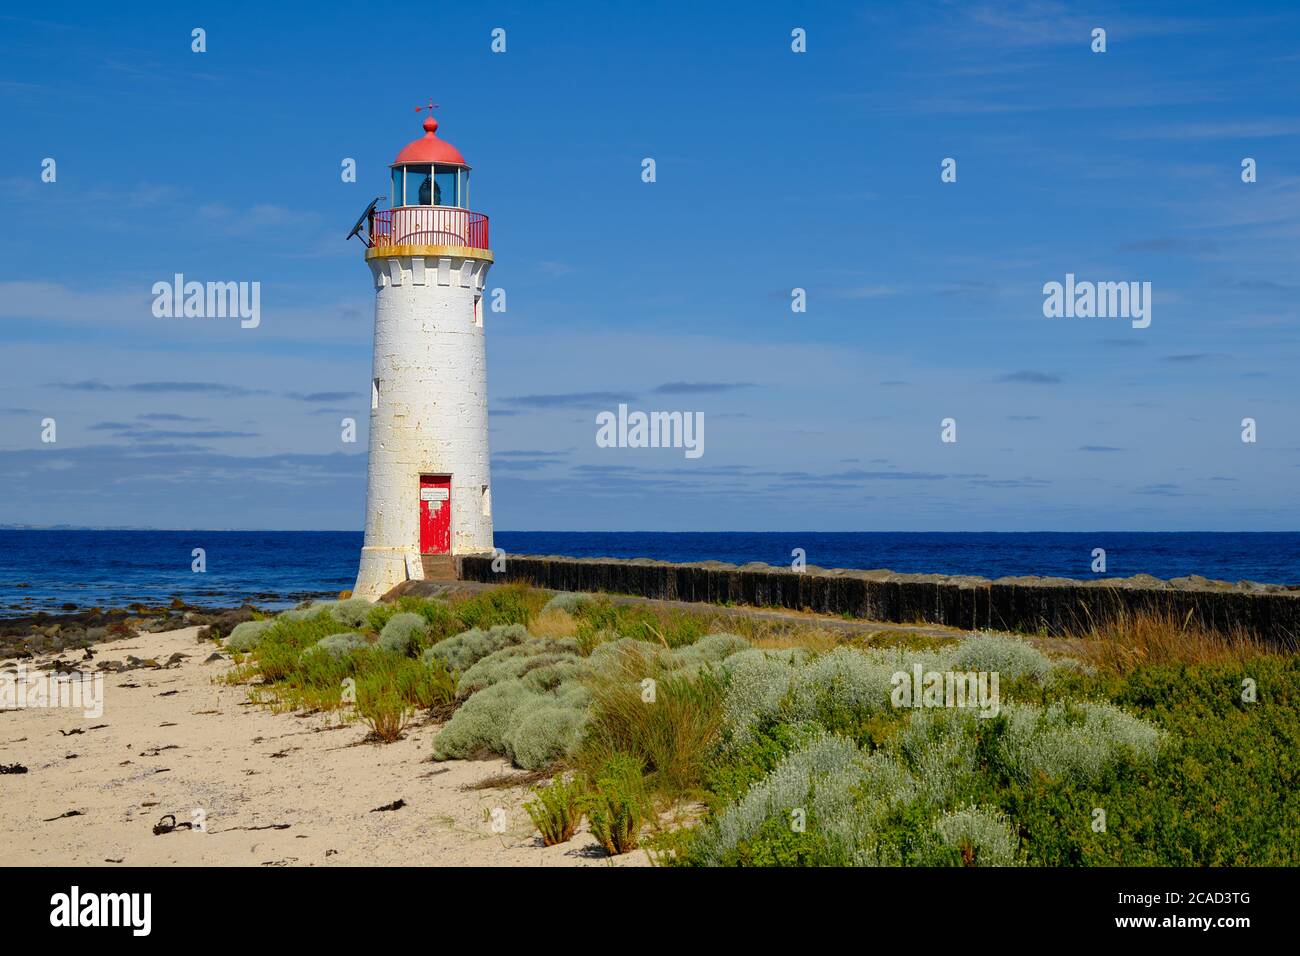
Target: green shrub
(665,719)
(508,604)
(307,611)
(466,649)
(277,656)
(379,615)
(710,649)
(1222,793)
(479,724)
(546,728)
(520,718)
(847,690)
(757,682)
(828,788)
(322,671)
(443,684)
(600,613)
(304,659)
(248,635)
(1185,771)
(337,645)
(992,653)
(592,639)
(569,601)
(352,612)
(676,629)
(382,707)
(556,810)
(301,632)
(732,771)
(776,843)
(441,619)
(600,618)
(942,749)
(275,661)
(612,654)
(619,807)
(402,632)
(551,675)
(983,836)
(517,660)
(422,685)
(1079,743)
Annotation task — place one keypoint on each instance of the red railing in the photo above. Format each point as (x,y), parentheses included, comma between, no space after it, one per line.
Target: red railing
(429,226)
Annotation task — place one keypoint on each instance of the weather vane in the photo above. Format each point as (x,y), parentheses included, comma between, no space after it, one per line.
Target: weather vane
(431,107)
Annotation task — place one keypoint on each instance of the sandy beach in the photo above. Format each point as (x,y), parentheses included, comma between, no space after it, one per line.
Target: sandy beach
(270,789)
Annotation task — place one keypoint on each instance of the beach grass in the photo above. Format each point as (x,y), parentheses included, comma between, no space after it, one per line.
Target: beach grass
(1146,741)
(1130,640)
(556,810)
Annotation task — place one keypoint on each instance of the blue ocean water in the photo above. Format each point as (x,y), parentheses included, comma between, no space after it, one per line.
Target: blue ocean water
(44,569)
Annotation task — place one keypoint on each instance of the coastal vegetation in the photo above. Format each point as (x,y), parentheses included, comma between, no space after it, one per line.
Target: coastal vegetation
(712,738)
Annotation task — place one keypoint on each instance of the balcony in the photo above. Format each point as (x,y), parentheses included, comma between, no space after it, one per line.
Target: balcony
(427,226)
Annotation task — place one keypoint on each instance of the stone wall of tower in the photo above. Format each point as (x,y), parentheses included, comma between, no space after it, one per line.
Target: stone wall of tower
(428,412)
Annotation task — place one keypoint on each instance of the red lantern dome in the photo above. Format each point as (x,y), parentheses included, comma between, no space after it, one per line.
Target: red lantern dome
(430,149)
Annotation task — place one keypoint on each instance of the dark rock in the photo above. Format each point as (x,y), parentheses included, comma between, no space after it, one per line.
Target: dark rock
(220,624)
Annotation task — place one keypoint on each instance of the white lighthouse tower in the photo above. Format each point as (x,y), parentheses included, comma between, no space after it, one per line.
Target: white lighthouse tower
(428,494)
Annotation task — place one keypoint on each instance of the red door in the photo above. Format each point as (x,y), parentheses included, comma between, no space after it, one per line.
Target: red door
(435,514)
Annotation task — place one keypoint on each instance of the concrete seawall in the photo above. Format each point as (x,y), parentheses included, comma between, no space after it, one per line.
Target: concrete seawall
(1053,606)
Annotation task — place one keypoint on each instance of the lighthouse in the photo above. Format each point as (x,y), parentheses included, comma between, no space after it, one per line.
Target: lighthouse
(428,491)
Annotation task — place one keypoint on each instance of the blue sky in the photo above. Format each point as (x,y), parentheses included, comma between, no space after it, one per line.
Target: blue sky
(775,170)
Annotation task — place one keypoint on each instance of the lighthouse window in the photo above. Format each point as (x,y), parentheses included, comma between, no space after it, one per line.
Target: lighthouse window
(462,193)
(397,187)
(419,186)
(444,186)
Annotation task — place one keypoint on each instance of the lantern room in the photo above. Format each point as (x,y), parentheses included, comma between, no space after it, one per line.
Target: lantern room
(430,172)
(429,200)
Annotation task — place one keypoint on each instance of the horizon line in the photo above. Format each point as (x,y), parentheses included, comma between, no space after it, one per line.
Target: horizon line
(63,527)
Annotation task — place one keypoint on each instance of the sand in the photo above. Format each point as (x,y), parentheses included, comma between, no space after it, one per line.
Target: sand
(271,789)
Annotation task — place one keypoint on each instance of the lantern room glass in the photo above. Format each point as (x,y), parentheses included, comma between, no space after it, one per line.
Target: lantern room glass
(444,186)
(419,186)
(426,185)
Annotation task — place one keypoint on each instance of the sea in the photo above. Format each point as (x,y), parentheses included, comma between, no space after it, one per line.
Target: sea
(53,570)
